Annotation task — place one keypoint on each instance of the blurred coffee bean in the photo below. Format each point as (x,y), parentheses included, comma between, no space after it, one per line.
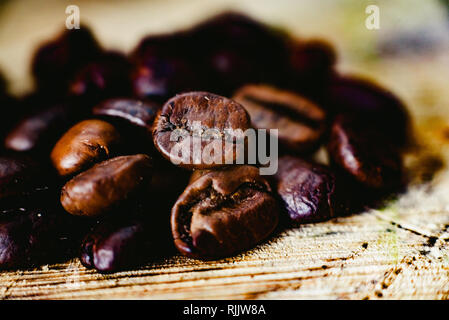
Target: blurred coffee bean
(55,62)
(300,122)
(83,145)
(39,131)
(20,176)
(122,243)
(306,189)
(239,50)
(105,77)
(223,212)
(158,78)
(365,154)
(107,185)
(311,64)
(177,44)
(215,115)
(33,236)
(371,104)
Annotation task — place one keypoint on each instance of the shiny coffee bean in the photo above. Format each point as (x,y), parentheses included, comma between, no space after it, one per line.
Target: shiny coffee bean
(83,145)
(223,212)
(300,122)
(33,236)
(39,131)
(371,104)
(134,119)
(56,61)
(119,244)
(136,112)
(364,154)
(107,185)
(214,114)
(105,77)
(306,189)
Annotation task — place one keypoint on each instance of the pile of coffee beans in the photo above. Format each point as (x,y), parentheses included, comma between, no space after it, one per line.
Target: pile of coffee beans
(86,163)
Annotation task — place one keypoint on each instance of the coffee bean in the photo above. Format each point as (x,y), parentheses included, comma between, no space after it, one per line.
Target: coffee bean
(163,67)
(83,145)
(105,77)
(136,112)
(120,244)
(107,185)
(306,189)
(39,131)
(21,176)
(214,114)
(300,122)
(33,236)
(158,78)
(311,65)
(365,154)
(239,50)
(134,120)
(371,104)
(56,61)
(223,212)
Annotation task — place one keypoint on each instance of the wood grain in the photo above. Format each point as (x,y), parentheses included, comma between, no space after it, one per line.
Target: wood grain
(400,251)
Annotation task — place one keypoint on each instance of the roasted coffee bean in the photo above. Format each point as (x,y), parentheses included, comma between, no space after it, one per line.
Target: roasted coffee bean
(300,122)
(239,50)
(107,185)
(371,104)
(311,65)
(105,77)
(56,61)
(223,212)
(21,176)
(158,78)
(306,189)
(364,154)
(136,112)
(214,114)
(39,131)
(83,145)
(33,236)
(119,244)
(177,44)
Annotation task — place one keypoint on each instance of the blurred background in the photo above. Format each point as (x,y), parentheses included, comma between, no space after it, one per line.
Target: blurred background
(408,54)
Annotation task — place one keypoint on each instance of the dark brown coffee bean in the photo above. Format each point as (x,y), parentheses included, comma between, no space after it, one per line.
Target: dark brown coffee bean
(300,122)
(213,113)
(106,77)
(311,65)
(372,105)
(20,176)
(83,145)
(136,112)
(363,153)
(223,212)
(239,50)
(122,243)
(56,61)
(29,237)
(306,189)
(39,131)
(107,185)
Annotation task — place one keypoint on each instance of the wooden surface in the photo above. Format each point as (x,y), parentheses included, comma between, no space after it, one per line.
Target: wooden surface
(400,251)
